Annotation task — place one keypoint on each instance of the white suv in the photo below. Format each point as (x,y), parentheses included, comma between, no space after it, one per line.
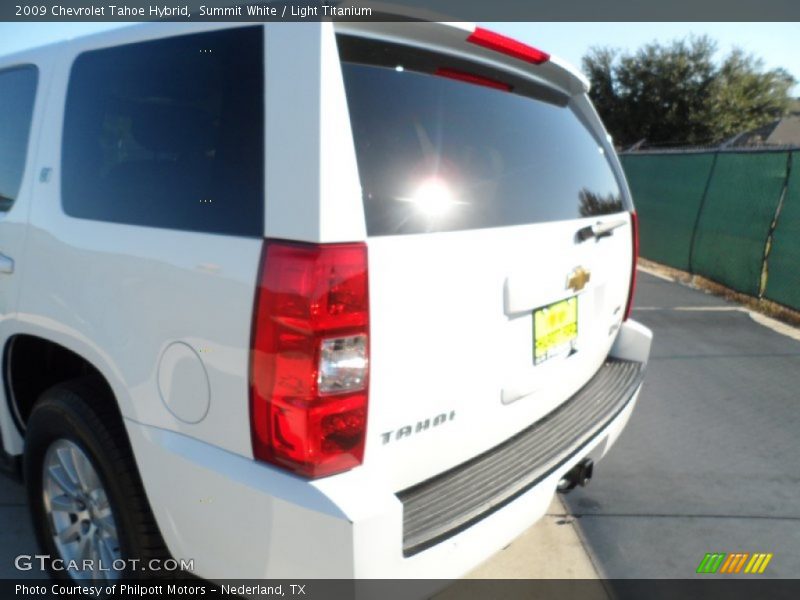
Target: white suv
(306,300)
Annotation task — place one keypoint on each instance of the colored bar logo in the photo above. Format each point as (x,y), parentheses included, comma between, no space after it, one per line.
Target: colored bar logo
(734,563)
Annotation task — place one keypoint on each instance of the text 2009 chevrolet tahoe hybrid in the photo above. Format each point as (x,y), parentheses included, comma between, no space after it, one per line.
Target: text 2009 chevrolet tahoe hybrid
(307,300)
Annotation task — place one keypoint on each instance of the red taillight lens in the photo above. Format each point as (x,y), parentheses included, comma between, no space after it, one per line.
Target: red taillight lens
(310,357)
(632,290)
(506,45)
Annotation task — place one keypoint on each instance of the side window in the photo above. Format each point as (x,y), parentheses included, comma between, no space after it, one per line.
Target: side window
(168,133)
(17,93)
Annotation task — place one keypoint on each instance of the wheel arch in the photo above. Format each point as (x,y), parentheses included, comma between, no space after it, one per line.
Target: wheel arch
(32,364)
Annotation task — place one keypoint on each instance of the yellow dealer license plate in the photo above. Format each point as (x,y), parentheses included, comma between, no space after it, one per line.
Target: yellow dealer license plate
(555,329)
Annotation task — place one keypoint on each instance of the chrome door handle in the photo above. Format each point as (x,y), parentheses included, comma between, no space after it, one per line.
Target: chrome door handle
(6,264)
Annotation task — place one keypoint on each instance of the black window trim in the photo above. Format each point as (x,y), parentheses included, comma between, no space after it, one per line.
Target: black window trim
(171,35)
(23,66)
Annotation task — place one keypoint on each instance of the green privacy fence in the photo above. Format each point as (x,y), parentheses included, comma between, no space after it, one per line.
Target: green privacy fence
(783,264)
(667,190)
(736,217)
(731,216)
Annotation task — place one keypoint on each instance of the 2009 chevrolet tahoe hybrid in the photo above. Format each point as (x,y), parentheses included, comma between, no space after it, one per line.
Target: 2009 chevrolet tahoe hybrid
(307,300)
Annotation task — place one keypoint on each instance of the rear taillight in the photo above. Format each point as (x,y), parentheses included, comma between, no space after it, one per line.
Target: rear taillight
(310,357)
(632,290)
(508,46)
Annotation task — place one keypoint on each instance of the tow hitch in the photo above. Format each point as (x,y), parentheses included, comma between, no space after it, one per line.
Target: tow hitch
(580,474)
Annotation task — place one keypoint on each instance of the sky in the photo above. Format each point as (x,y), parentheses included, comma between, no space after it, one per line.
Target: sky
(776,43)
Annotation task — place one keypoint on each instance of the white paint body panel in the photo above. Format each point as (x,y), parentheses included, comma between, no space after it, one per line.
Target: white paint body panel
(14,233)
(209,502)
(312,186)
(442,342)
(450,328)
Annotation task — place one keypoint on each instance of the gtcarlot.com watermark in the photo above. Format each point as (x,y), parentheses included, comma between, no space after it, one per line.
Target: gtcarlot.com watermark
(29,562)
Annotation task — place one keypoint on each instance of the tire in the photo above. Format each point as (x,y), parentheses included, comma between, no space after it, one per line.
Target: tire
(73,425)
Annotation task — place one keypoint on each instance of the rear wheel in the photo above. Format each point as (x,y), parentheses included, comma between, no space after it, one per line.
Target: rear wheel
(84,490)
(77,510)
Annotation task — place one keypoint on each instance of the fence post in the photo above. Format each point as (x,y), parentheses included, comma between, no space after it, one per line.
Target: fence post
(762,284)
(700,210)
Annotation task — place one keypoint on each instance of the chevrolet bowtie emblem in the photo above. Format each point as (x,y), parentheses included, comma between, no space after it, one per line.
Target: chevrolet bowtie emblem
(578,279)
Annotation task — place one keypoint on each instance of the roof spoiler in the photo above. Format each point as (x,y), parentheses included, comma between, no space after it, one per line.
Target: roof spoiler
(481,45)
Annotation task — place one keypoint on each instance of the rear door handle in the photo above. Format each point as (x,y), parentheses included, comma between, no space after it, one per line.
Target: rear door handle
(599,230)
(6,264)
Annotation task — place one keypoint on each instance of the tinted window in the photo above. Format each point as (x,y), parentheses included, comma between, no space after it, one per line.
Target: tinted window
(168,133)
(17,93)
(436,154)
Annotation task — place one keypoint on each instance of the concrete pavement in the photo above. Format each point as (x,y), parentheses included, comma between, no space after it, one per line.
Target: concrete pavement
(708,462)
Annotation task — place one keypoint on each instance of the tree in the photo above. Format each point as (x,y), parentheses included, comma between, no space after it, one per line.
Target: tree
(745,96)
(677,94)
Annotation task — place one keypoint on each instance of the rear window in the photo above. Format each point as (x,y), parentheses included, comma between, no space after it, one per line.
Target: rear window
(437,154)
(168,133)
(17,94)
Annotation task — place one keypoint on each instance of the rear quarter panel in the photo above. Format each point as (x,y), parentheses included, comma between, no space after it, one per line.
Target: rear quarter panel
(118,294)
